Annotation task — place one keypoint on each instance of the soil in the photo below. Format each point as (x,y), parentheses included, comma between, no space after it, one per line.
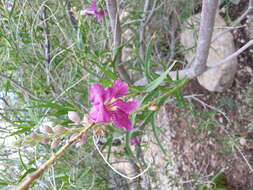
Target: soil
(206,142)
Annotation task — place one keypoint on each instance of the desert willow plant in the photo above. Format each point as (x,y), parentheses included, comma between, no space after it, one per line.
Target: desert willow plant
(108,106)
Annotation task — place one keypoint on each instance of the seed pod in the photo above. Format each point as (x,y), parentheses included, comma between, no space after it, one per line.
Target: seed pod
(47,129)
(59,129)
(73,116)
(45,140)
(55,143)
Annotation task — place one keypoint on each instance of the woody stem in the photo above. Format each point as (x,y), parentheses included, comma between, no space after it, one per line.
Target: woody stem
(30,180)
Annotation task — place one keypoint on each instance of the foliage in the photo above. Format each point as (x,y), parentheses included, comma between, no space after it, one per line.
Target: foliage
(51,56)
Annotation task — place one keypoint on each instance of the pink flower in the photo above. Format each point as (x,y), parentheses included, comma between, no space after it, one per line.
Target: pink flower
(9,5)
(93,11)
(107,106)
(135,140)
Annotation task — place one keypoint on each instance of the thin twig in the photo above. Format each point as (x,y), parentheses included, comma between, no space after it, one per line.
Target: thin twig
(191,74)
(148,12)
(30,180)
(228,58)
(19,87)
(116,171)
(46,42)
(116,32)
(238,21)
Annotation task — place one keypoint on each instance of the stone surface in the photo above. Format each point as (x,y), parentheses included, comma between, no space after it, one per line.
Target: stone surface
(163,167)
(220,78)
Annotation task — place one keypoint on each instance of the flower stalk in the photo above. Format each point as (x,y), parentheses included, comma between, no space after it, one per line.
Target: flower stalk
(30,180)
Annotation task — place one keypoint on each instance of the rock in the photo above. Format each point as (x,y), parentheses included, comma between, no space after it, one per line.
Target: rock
(220,78)
(163,167)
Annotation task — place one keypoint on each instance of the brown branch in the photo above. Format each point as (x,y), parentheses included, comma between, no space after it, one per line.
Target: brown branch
(145,20)
(233,55)
(208,13)
(233,26)
(30,180)
(190,72)
(116,32)
(46,42)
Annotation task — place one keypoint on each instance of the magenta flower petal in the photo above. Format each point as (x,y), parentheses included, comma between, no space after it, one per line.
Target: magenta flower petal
(107,105)
(99,114)
(94,12)
(97,94)
(120,120)
(94,5)
(127,107)
(101,13)
(119,89)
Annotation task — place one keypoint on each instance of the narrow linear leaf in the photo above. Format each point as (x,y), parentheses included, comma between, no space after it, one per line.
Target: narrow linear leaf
(155,83)
(156,133)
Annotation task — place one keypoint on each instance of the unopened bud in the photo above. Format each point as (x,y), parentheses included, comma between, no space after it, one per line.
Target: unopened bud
(73,116)
(55,143)
(59,129)
(153,108)
(45,140)
(47,129)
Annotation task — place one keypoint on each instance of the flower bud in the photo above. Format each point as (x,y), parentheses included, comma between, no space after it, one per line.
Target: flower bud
(73,116)
(55,143)
(45,140)
(47,129)
(59,129)
(153,108)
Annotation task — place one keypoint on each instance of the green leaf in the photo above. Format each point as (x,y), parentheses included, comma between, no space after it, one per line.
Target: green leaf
(30,170)
(146,61)
(180,98)
(128,148)
(156,131)
(47,105)
(155,83)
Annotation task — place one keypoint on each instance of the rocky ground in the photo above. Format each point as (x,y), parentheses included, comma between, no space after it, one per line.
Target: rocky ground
(212,135)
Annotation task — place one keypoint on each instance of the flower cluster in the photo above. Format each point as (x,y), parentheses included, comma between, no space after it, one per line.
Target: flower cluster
(107,105)
(93,11)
